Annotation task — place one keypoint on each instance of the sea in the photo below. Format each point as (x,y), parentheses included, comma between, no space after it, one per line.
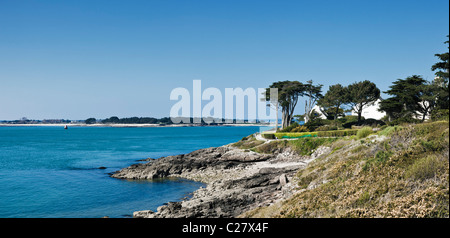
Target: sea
(50,172)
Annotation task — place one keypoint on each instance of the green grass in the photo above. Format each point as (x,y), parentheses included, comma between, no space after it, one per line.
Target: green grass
(364,132)
(303,146)
(426,168)
(380,157)
(247,143)
(389,130)
(306,146)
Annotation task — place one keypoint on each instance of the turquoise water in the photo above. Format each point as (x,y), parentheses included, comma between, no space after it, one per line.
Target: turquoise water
(52,172)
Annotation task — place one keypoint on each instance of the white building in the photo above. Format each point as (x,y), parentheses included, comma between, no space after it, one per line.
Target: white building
(319,112)
(368,112)
(371,111)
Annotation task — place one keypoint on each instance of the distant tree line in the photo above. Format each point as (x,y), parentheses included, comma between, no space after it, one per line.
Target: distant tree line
(25,120)
(129,120)
(151,120)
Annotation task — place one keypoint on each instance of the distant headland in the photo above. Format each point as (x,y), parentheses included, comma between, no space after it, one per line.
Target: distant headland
(124,122)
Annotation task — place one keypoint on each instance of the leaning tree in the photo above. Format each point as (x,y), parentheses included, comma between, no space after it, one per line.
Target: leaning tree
(289,92)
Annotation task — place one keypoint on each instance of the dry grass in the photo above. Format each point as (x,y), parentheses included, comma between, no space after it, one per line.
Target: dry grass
(406,175)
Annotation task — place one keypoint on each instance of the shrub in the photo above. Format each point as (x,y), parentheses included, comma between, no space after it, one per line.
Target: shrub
(300,129)
(364,132)
(248,142)
(426,168)
(312,125)
(380,157)
(290,128)
(367,122)
(440,115)
(404,120)
(389,130)
(326,128)
(269,136)
(383,127)
(348,119)
(270,148)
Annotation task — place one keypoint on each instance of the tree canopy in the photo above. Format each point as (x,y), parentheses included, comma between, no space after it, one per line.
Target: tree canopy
(289,93)
(442,66)
(362,94)
(412,97)
(333,100)
(441,80)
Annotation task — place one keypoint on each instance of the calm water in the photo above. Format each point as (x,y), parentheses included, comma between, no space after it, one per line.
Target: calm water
(52,172)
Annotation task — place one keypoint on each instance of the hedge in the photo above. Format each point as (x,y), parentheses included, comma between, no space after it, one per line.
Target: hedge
(337,133)
(295,135)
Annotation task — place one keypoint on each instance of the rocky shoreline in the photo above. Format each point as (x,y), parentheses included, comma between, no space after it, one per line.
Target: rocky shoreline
(237,180)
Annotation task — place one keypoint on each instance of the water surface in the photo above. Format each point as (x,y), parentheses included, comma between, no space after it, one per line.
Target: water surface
(52,172)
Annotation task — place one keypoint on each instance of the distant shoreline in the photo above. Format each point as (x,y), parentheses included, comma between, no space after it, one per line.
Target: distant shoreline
(126,125)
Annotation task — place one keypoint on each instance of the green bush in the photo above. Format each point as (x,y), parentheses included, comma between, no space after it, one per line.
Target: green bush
(366,122)
(426,168)
(389,130)
(300,129)
(348,119)
(364,132)
(247,144)
(379,158)
(440,115)
(404,120)
(312,125)
(290,128)
(269,136)
(245,138)
(326,128)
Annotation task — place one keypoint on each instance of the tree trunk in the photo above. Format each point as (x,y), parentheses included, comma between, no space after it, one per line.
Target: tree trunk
(425,112)
(359,108)
(336,113)
(286,119)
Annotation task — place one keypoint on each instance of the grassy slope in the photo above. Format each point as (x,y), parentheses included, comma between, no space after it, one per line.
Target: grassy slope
(400,172)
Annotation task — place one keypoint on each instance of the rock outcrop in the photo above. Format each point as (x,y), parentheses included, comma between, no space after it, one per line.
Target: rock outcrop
(237,180)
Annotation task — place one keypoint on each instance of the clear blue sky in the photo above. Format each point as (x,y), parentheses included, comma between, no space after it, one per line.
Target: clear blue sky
(80,59)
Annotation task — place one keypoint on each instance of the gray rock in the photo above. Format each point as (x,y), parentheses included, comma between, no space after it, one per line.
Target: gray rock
(142,214)
(237,180)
